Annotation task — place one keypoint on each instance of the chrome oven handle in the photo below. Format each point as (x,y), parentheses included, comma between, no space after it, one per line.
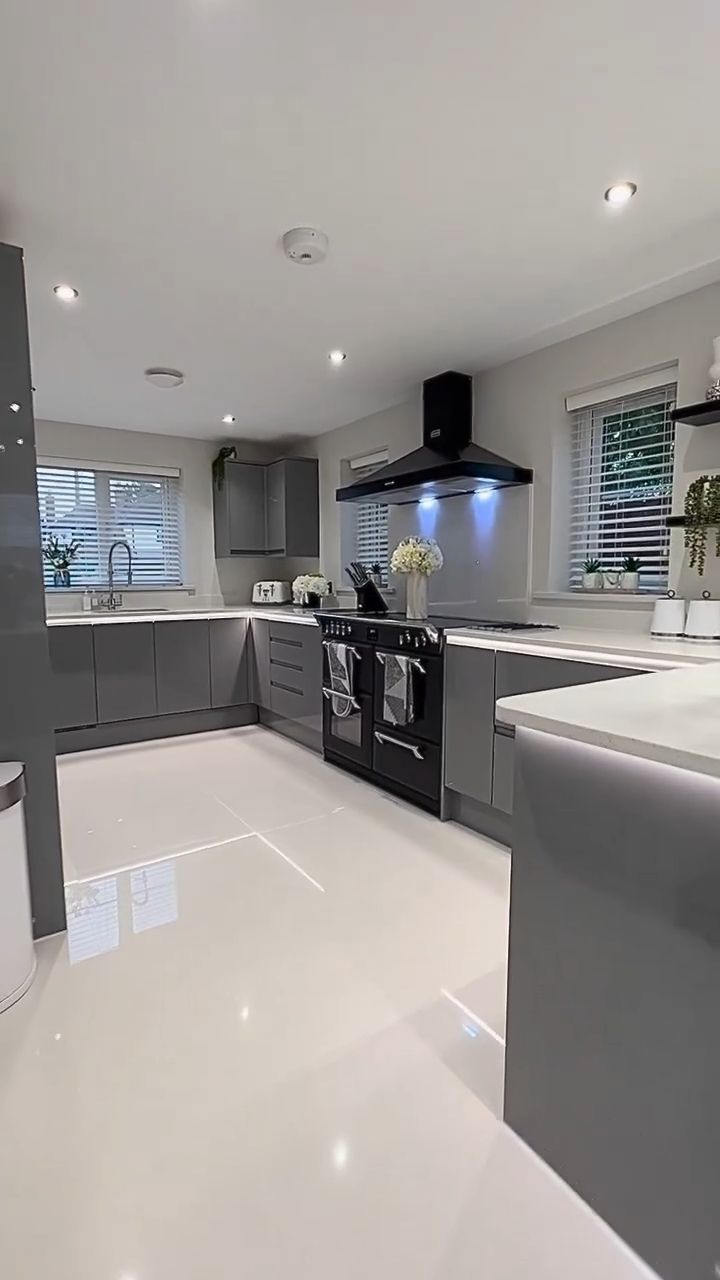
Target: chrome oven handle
(335,693)
(414,662)
(395,742)
(327,644)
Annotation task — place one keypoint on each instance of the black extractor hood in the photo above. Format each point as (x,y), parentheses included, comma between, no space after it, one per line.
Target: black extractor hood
(448,464)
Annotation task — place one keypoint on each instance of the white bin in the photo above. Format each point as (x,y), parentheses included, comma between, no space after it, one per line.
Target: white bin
(17,952)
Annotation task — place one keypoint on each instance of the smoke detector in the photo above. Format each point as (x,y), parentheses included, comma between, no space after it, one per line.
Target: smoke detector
(164,377)
(305,245)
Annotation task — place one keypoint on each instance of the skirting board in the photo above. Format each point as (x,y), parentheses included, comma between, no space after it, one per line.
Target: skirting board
(125,731)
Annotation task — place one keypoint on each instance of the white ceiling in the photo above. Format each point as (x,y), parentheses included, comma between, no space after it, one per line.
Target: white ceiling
(152,153)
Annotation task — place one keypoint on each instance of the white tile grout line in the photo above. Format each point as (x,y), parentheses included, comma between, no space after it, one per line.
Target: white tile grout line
(473,1016)
(151,862)
(290,862)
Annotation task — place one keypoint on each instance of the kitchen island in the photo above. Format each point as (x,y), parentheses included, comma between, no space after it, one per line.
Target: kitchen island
(613,1040)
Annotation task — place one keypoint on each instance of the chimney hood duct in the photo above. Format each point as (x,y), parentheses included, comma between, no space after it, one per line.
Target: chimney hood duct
(448,464)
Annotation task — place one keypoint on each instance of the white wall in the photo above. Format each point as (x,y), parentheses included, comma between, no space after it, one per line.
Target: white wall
(214,582)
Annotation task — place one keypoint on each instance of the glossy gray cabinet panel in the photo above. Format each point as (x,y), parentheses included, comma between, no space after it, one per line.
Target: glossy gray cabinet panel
(469,721)
(276,537)
(295,673)
(229,662)
(182,665)
(260,663)
(526,673)
(239,510)
(293,520)
(72,664)
(503,772)
(26,728)
(125,671)
(613,1036)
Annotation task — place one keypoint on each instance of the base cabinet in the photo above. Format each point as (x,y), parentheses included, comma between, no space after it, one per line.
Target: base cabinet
(72,674)
(469,721)
(182,665)
(125,671)
(229,662)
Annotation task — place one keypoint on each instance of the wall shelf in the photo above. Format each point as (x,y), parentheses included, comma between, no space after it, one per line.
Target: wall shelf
(703,414)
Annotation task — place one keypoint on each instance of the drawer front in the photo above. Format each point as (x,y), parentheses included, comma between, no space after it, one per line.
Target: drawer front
(410,762)
(295,634)
(503,772)
(527,673)
(284,699)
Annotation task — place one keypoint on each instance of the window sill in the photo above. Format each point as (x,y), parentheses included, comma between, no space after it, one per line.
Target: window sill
(591,599)
(97,588)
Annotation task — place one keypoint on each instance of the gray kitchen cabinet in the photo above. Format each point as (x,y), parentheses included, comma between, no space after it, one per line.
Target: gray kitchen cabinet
(293,522)
(469,721)
(260,663)
(72,667)
(503,776)
(295,673)
(229,662)
(182,665)
(125,671)
(528,673)
(240,510)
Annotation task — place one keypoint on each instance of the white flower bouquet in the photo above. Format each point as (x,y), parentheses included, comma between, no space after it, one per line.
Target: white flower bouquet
(417,555)
(309,584)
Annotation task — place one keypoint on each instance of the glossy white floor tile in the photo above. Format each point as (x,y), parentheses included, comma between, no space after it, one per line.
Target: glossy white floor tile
(270,1044)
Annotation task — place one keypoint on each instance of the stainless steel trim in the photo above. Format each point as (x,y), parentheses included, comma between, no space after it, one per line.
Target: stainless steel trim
(395,742)
(12,791)
(335,693)
(414,662)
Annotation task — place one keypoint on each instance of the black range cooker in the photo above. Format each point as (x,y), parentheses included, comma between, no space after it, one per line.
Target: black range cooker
(360,731)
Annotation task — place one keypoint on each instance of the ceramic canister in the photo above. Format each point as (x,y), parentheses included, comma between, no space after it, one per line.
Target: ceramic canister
(668,616)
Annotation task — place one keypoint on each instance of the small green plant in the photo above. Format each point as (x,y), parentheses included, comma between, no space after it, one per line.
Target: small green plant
(631,564)
(591,565)
(60,554)
(218,465)
(702,511)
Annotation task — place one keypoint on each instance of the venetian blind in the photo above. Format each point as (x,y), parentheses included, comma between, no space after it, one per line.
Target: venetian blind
(621,485)
(96,506)
(371,521)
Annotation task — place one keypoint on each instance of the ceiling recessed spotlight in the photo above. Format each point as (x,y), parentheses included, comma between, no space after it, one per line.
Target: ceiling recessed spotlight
(337,357)
(165,377)
(228,417)
(14,407)
(620,193)
(65,292)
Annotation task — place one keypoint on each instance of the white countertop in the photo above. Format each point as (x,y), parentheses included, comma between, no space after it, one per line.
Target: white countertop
(613,648)
(671,717)
(277,614)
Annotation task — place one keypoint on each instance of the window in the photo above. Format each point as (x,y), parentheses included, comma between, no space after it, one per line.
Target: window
(621,484)
(95,505)
(365,528)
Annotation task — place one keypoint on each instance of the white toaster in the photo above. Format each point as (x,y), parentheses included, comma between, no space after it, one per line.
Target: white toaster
(271,593)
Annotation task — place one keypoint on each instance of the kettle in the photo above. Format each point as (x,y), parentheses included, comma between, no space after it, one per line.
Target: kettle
(668,616)
(703,619)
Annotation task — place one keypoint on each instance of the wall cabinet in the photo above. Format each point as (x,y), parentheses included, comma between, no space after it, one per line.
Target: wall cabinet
(72,667)
(182,665)
(268,509)
(229,662)
(125,671)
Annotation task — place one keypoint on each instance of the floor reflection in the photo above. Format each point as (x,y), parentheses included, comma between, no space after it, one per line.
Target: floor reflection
(101,913)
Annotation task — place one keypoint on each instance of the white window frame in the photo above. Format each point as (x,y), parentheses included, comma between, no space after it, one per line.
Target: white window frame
(172,551)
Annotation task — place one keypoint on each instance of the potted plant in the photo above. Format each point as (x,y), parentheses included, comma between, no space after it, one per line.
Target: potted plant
(631,573)
(702,512)
(60,555)
(592,574)
(309,588)
(418,558)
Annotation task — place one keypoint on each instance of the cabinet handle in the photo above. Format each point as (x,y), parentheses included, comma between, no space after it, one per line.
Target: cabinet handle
(395,742)
(414,662)
(335,693)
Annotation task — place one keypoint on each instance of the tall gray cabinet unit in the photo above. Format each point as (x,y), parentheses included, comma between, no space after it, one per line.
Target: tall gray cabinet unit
(26,718)
(268,509)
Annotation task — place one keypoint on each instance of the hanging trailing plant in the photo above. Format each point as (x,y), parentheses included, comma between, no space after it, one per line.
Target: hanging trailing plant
(218,466)
(702,512)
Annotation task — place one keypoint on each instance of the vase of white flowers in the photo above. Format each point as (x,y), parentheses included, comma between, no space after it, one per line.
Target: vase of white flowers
(417,558)
(309,589)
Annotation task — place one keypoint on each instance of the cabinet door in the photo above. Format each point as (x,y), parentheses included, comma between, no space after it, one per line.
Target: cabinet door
(503,772)
(182,664)
(469,721)
(228,662)
(526,673)
(72,669)
(245,495)
(125,671)
(275,509)
(302,518)
(260,664)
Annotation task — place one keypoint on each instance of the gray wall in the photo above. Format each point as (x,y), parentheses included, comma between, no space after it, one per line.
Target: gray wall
(26,733)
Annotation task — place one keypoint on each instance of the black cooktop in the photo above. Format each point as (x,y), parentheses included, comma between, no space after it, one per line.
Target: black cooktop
(441,623)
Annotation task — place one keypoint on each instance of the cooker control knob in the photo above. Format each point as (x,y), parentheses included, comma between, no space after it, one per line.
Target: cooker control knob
(401,638)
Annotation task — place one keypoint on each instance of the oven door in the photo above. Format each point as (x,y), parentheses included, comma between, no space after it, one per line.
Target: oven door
(426,673)
(347,723)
